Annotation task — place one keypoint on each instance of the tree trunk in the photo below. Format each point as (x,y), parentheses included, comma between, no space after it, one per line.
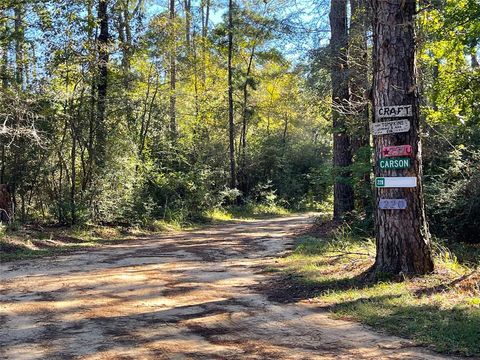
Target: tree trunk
(206,19)
(173,74)
(5,60)
(2,168)
(231,129)
(73,157)
(342,156)
(125,38)
(102,83)
(242,173)
(19,43)
(90,146)
(188,22)
(359,84)
(205,4)
(19,35)
(5,83)
(5,197)
(435,76)
(402,236)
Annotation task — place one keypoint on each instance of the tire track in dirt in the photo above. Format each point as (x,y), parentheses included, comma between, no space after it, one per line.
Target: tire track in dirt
(186,295)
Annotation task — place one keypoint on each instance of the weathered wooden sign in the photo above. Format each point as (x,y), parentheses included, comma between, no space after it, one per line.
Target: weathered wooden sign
(394,163)
(402,150)
(394,111)
(390,127)
(396,182)
(392,204)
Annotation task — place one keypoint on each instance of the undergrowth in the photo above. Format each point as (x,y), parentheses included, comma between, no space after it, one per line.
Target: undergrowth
(246,212)
(31,241)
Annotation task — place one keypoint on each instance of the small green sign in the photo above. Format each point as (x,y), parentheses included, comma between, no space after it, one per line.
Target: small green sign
(380,182)
(394,163)
(396,182)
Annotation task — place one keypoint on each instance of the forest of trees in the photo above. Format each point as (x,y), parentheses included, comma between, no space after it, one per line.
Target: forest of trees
(124,111)
(115,113)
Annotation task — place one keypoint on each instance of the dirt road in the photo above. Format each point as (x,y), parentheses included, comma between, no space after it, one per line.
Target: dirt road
(190,295)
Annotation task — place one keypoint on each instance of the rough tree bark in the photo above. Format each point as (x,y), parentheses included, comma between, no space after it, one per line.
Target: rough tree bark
(102,83)
(342,155)
(231,125)
(402,236)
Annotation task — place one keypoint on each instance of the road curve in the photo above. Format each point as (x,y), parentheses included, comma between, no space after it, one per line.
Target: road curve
(186,295)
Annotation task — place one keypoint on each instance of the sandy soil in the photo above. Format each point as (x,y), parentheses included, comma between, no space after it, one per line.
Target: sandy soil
(190,295)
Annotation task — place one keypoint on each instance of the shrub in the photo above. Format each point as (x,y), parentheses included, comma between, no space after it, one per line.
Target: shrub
(453,198)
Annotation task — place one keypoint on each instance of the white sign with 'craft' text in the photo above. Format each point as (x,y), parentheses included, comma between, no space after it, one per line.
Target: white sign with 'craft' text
(394,111)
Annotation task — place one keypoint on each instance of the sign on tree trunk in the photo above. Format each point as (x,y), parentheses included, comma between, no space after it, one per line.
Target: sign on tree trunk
(392,204)
(394,163)
(396,182)
(402,237)
(390,127)
(401,150)
(394,111)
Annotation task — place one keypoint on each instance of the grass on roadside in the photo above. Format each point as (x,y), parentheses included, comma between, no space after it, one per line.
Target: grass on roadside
(36,241)
(246,212)
(441,310)
(33,242)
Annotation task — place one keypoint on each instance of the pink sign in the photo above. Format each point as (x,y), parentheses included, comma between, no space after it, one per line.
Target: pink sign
(402,150)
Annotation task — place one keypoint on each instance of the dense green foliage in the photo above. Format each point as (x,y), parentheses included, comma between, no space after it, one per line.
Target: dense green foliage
(451,78)
(51,75)
(56,133)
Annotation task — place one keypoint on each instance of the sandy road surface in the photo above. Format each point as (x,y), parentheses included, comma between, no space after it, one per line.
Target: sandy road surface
(191,295)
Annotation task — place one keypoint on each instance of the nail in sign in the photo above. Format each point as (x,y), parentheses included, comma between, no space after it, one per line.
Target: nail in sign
(394,111)
(402,150)
(396,182)
(392,204)
(390,127)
